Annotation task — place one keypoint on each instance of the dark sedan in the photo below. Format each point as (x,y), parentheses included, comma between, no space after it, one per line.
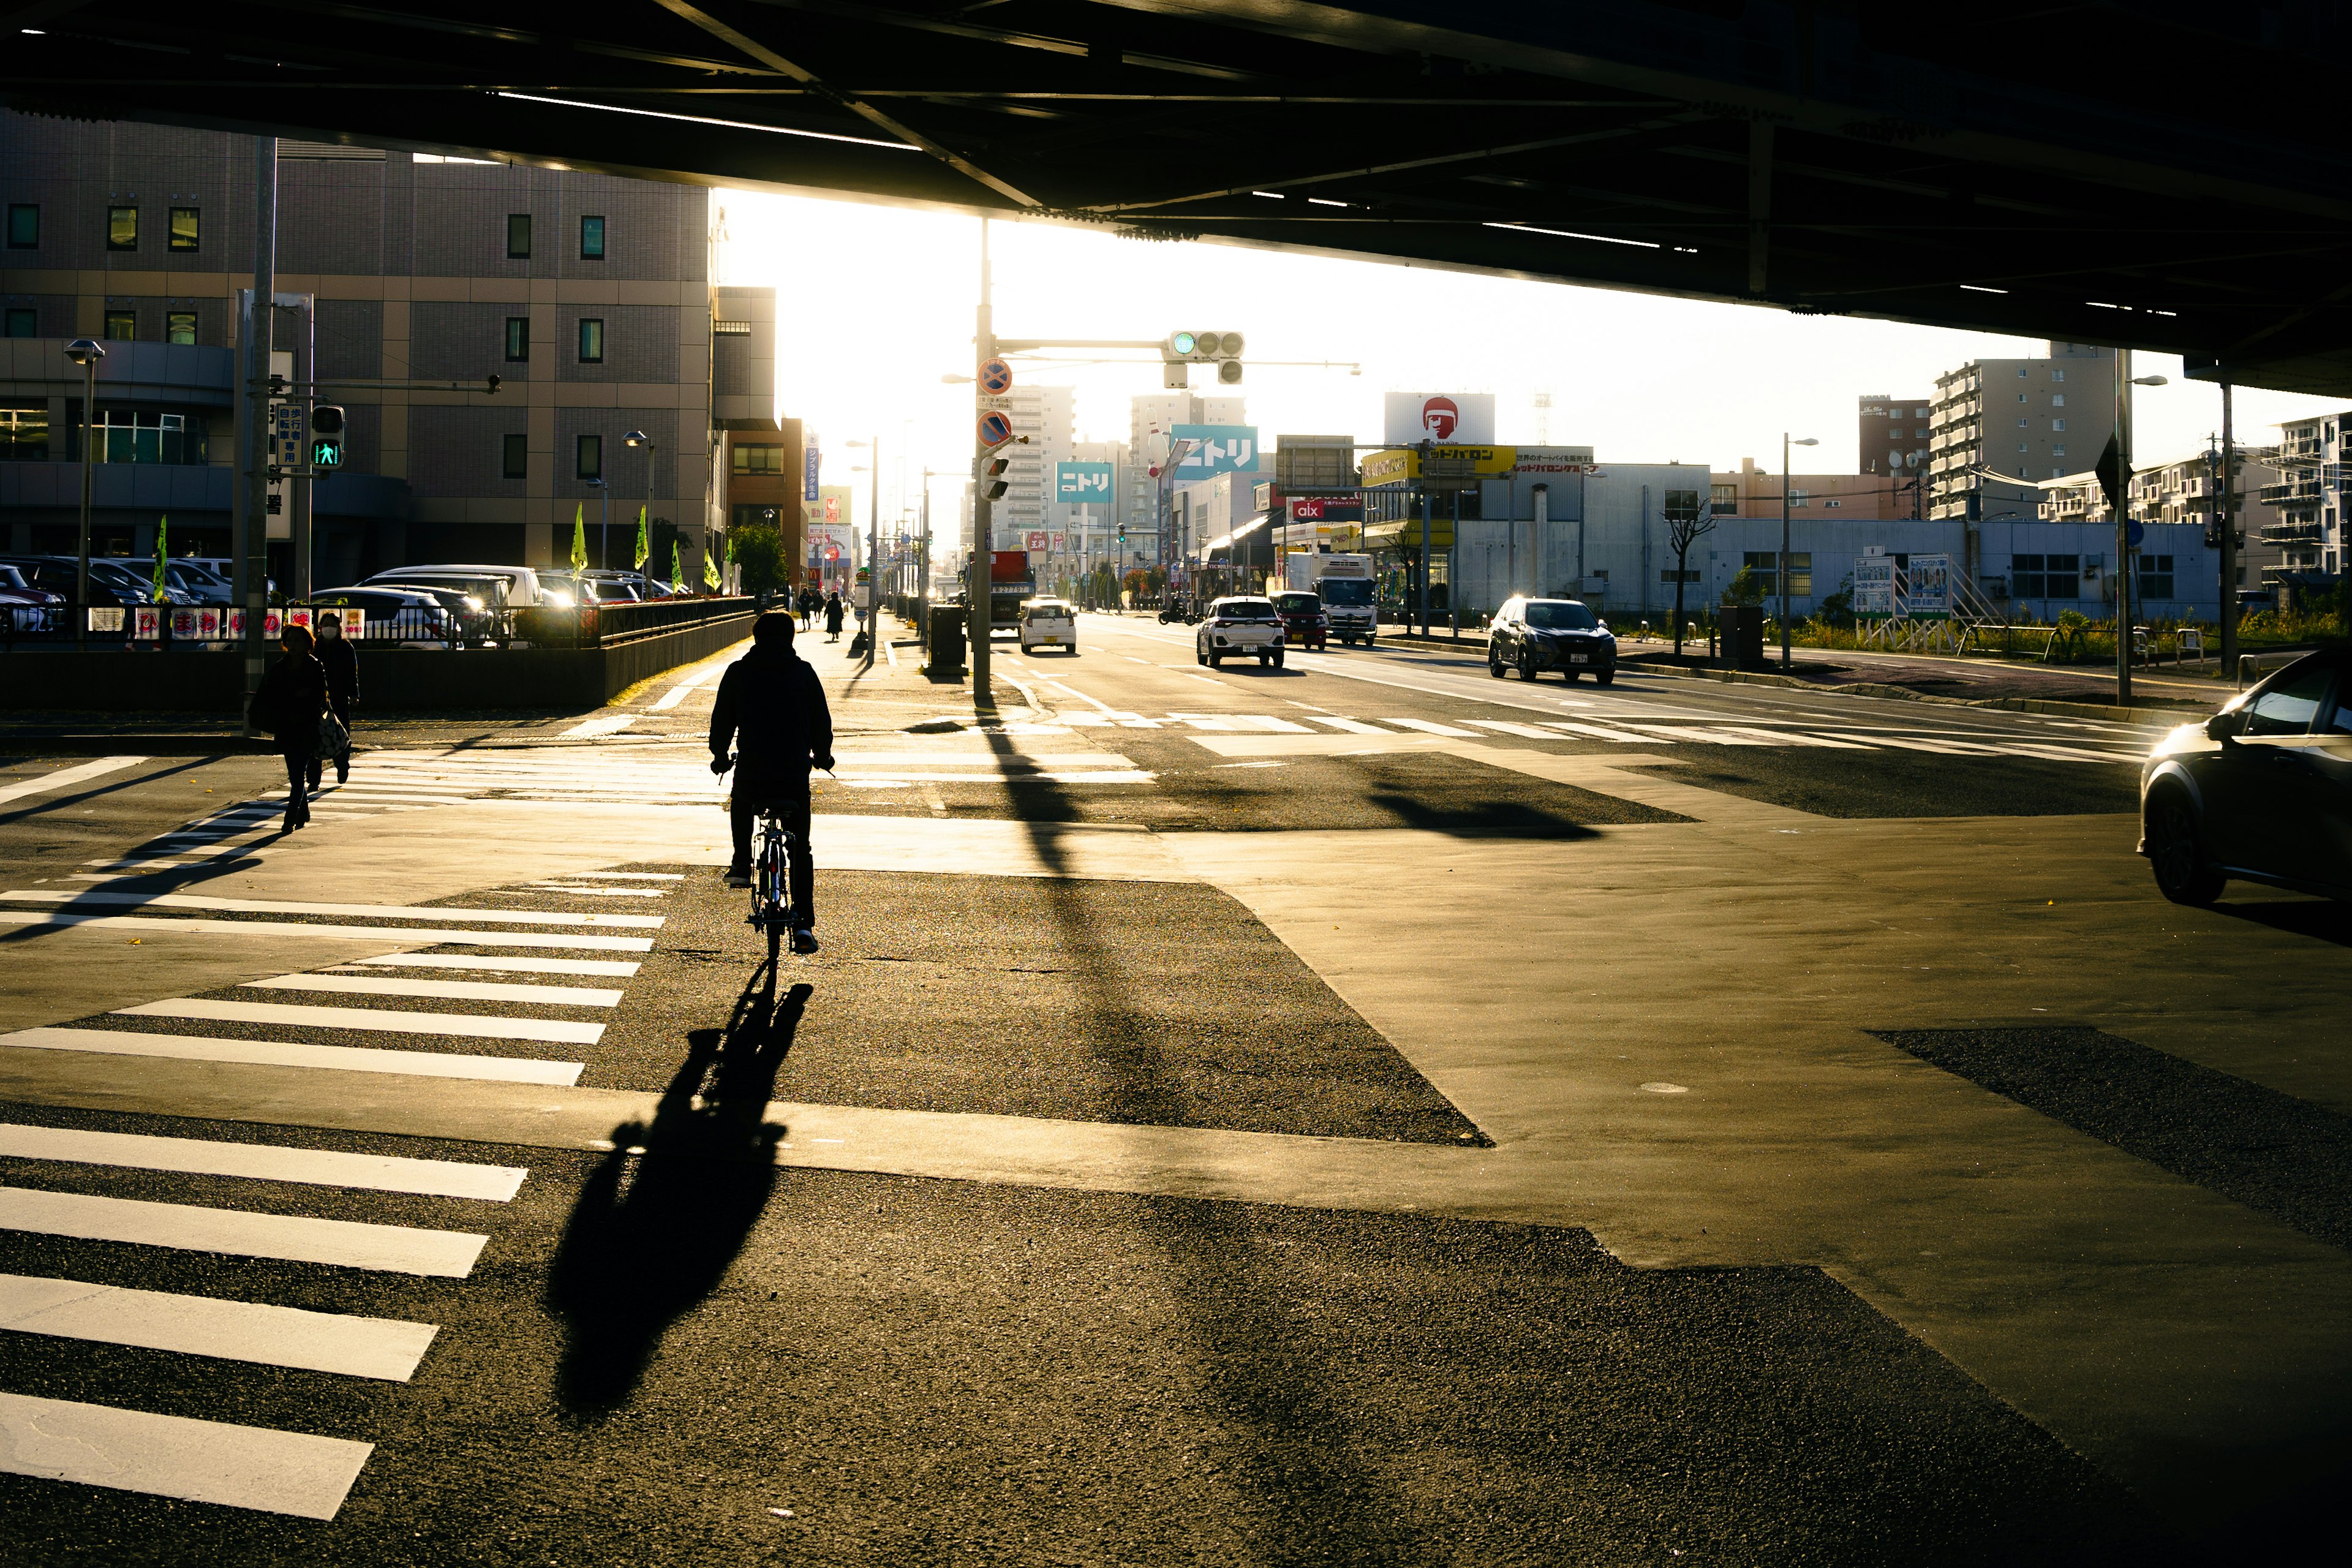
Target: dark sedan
(2261,791)
(1532,636)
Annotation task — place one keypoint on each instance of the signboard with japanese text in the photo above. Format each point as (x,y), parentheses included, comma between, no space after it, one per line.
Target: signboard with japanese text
(106,619)
(1457,464)
(1325,508)
(1037,542)
(812,461)
(1874,585)
(1086,484)
(1927,587)
(1467,417)
(1216,449)
(146,622)
(831,543)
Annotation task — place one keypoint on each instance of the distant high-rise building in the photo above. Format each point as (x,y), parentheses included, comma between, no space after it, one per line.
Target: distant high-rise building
(1047,416)
(1894,442)
(2037,419)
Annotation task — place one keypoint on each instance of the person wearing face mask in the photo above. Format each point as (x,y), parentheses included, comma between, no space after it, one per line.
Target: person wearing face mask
(341,660)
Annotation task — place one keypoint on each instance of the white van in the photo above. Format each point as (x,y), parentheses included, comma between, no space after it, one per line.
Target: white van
(1049,623)
(522,582)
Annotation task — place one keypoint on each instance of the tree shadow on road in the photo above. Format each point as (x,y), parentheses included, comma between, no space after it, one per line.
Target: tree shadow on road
(660,1220)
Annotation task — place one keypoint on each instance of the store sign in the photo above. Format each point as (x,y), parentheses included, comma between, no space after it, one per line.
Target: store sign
(1874,585)
(1083,483)
(1928,592)
(1037,542)
(811,461)
(1555,461)
(1445,464)
(831,544)
(1325,508)
(1216,449)
(1443,416)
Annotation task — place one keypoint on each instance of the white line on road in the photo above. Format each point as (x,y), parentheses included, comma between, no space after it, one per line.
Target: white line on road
(1350,726)
(289,1054)
(590,728)
(585,892)
(1508,727)
(502,965)
(171,1456)
(383,1348)
(678,693)
(1603,733)
(263,1162)
(475,1026)
(631,875)
(445,990)
(1426,726)
(64,776)
(288,907)
(193,1227)
(422,936)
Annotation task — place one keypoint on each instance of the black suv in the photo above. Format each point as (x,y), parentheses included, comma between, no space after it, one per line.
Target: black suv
(1532,636)
(2261,791)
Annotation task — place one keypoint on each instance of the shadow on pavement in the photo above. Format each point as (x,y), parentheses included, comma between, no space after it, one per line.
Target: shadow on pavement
(2323,919)
(1481,818)
(112,786)
(660,1220)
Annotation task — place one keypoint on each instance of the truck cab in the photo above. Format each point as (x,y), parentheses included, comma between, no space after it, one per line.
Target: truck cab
(1344,584)
(1303,621)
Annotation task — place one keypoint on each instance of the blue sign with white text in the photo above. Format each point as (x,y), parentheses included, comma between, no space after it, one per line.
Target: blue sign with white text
(808,479)
(1087,484)
(1216,449)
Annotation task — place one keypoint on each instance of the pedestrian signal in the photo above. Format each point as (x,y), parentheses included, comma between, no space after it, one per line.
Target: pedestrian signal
(326,435)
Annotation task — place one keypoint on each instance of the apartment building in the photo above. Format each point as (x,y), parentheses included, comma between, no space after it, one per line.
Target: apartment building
(1755,491)
(585,294)
(1893,436)
(1047,417)
(2028,419)
(759,462)
(2311,498)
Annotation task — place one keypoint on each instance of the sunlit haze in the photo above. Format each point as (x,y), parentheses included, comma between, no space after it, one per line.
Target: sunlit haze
(874,304)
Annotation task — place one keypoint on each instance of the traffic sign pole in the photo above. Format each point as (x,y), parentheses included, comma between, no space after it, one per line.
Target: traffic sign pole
(977,581)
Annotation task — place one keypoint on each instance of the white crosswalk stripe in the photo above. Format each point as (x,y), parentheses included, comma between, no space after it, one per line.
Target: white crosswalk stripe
(172,1455)
(586,941)
(445,990)
(471,1025)
(293,1054)
(1428,728)
(291,1239)
(614,966)
(294,907)
(265,1162)
(385,1348)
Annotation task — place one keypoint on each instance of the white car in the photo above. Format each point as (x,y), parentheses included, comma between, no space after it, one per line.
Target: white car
(1049,623)
(1240,626)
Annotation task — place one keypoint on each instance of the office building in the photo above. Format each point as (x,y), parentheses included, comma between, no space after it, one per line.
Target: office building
(1996,422)
(585,294)
(1893,436)
(759,462)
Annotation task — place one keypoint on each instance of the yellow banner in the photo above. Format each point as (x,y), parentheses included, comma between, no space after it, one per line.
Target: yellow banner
(1400,464)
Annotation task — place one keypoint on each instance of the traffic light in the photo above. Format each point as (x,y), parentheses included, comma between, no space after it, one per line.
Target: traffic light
(995,473)
(326,435)
(1223,349)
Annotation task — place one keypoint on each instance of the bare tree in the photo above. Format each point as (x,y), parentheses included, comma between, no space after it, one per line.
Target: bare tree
(1687,522)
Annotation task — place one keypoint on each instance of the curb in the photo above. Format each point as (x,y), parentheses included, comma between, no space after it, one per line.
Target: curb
(2145,717)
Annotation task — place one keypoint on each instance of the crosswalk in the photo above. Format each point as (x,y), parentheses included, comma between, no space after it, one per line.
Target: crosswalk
(491,987)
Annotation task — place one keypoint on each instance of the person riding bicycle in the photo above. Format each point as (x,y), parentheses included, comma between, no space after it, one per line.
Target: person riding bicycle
(771,707)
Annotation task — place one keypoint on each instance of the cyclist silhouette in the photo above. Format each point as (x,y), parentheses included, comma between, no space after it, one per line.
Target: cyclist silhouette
(771,708)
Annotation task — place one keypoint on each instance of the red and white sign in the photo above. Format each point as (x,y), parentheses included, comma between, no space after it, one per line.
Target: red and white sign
(832,509)
(1060,543)
(1326,509)
(1037,542)
(994,429)
(1455,418)
(146,622)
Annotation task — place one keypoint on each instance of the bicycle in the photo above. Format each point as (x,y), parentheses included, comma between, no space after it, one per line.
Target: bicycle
(771,898)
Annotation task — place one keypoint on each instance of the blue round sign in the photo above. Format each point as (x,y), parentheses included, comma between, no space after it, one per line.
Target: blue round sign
(2134,532)
(995,376)
(995,429)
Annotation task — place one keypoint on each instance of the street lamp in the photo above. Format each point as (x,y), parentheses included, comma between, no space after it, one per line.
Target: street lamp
(873,543)
(2124,382)
(645,573)
(1786,442)
(86,353)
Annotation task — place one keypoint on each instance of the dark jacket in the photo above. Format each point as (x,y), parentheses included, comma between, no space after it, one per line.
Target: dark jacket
(340,661)
(771,708)
(291,696)
(832,613)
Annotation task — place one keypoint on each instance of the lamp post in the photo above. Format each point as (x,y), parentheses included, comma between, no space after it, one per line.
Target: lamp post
(85,353)
(2124,382)
(645,573)
(873,542)
(1787,442)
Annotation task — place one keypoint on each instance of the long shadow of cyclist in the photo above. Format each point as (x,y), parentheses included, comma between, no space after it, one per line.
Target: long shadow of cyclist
(662,1218)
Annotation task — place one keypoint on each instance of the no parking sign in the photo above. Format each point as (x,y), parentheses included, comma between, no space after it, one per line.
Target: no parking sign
(995,429)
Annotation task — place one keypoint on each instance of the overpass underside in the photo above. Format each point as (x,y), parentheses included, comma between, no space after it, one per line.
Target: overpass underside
(2161,175)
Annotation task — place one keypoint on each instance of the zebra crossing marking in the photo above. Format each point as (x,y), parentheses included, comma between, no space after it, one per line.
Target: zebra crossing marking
(1603,733)
(171,1456)
(60,778)
(384,1348)
(585,892)
(263,1162)
(294,907)
(442,990)
(1511,727)
(504,965)
(240,1233)
(1348,726)
(294,1054)
(584,941)
(1429,728)
(475,1026)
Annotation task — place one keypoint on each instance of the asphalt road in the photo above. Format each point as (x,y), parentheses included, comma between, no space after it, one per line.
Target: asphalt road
(451,1182)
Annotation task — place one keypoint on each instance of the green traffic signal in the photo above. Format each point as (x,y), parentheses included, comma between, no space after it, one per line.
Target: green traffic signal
(326,453)
(1182,343)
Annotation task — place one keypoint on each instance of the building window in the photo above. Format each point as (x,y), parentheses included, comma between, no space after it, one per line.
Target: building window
(1723,501)
(517,237)
(186,223)
(745,516)
(1828,505)
(121,326)
(24,226)
(25,434)
(1797,498)
(2059,450)
(23,323)
(591,339)
(150,435)
(2057,425)
(122,229)
(591,239)
(2156,576)
(2046,576)
(517,455)
(589,460)
(518,340)
(1764,568)
(768,458)
(2022,424)
(2057,400)
(180,327)
(2057,376)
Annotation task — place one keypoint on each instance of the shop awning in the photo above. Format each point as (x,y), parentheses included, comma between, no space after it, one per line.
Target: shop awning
(1227,540)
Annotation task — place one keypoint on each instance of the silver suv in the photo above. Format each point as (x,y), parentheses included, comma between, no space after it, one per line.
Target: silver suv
(1240,626)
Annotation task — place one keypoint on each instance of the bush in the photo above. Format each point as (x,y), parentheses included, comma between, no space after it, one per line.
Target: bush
(759,550)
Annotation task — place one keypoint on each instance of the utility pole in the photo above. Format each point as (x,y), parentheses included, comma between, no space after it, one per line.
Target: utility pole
(874,556)
(976,575)
(2123,527)
(1424,539)
(252,584)
(2229,505)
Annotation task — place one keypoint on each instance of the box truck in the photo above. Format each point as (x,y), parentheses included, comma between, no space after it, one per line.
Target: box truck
(1345,583)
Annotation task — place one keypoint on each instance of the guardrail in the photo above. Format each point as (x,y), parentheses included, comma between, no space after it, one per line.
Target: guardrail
(2253,664)
(156,629)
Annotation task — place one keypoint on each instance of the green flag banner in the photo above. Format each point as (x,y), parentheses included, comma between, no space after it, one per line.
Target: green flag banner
(161,523)
(580,538)
(677,565)
(710,569)
(645,540)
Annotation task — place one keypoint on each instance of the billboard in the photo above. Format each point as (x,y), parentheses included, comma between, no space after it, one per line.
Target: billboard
(1464,418)
(1874,585)
(1087,484)
(811,461)
(1216,449)
(1928,593)
(1326,509)
(831,544)
(1400,464)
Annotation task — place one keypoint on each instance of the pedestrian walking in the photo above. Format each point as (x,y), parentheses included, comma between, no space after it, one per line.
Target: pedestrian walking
(810,605)
(832,616)
(291,700)
(340,662)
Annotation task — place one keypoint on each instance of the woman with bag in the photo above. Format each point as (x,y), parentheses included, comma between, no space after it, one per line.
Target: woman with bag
(292,706)
(341,663)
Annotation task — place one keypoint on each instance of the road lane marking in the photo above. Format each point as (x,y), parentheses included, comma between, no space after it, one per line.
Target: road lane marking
(445,990)
(620,876)
(1426,727)
(591,728)
(1711,737)
(1350,726)
(171,1456)
(678,693)
(585,892)
(1510,727)
(290,1053)
(290,907)
(62,777)
(384,1348)
(502,964)
(1794,738)
(422,936)
(240,1233)
(263,1162)
(475,1026)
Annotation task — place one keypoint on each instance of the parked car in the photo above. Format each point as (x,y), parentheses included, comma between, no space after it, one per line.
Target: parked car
(30,609)
(111,582)
(522,582)
(200,583)
(1049,623)
(2261,791)
(1305,623)
(404,615)
(1532,636)
(477,602)
(1240,626)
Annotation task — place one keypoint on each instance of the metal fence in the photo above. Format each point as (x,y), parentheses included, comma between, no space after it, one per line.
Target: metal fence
(111,625)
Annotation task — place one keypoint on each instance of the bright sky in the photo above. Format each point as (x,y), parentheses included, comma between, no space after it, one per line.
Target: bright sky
(874,303)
